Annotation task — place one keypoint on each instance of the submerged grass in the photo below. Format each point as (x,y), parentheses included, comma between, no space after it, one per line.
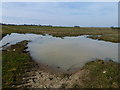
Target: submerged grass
(107,34)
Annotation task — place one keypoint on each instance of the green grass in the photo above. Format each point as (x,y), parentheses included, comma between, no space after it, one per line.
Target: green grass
(14,64)
(106,37)
(107,34)
(102,74)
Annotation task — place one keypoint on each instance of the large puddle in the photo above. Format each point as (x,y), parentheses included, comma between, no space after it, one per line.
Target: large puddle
(69,53)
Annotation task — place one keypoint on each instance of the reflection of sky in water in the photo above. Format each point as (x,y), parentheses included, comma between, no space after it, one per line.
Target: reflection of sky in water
(70,52)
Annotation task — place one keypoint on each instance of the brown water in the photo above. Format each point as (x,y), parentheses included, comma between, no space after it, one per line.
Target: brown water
(68,53)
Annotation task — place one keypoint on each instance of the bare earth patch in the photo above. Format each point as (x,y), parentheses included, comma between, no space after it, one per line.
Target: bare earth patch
(41,79)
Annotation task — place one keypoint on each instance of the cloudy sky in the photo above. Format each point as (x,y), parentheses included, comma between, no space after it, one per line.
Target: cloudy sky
(86,14)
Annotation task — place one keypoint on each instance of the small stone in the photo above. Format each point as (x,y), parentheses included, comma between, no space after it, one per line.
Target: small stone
(13,49)
(13,85)
(51,78)
(104,71)
(45,87)
(58,67)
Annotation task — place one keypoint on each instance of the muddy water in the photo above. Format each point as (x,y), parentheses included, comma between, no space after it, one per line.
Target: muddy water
(69,53)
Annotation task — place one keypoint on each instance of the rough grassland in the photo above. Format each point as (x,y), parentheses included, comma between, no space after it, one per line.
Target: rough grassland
(102,74)
(107,34)
(14,64)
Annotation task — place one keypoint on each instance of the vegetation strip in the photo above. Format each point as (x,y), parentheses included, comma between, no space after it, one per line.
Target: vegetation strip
(15,61)
(107,34)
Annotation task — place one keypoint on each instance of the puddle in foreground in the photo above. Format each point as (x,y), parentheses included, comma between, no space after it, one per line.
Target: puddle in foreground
(68,53)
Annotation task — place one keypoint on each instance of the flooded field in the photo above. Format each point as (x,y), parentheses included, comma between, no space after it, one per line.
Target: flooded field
(68,53)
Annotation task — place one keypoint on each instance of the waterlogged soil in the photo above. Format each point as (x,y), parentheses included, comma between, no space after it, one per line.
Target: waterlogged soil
(95,74)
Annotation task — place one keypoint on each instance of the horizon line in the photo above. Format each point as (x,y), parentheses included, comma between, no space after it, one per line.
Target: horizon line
(25,24)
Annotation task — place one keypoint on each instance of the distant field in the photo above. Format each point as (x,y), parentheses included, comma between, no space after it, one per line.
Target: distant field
(107,34)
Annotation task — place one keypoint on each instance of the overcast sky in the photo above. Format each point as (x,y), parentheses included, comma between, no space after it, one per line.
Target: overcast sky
(86,14)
